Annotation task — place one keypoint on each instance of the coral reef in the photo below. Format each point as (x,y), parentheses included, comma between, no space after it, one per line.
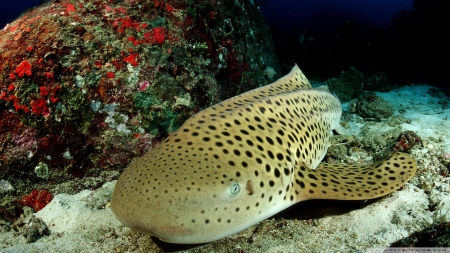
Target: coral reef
(349,85)
(378,82)
(406,141)
(370,106)
(37,199)
(29,226)
(85,87)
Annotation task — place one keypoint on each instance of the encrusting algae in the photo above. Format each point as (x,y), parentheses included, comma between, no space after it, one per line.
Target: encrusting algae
(243,160)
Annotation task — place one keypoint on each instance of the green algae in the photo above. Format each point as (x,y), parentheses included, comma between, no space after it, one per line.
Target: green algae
(158,119)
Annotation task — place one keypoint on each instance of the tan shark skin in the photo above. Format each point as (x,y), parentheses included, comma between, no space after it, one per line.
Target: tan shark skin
(243,160)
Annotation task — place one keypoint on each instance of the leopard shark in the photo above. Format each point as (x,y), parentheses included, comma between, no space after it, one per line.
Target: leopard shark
(245,159)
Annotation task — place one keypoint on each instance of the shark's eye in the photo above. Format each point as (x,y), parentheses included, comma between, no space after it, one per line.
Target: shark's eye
(235,189)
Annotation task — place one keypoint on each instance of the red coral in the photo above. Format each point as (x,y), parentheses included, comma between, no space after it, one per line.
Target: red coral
(406,141)
(159,34)
(110,74)
(169,8)
(37,199)
(24,68)
(39,107)
(156,36)
(131,59)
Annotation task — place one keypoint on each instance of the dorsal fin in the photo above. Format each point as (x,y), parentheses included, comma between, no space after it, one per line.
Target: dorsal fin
(294,80)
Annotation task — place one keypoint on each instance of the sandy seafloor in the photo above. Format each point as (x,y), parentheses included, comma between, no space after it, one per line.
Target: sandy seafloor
(313,226)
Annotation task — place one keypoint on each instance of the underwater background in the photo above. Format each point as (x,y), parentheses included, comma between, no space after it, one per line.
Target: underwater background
(88,86)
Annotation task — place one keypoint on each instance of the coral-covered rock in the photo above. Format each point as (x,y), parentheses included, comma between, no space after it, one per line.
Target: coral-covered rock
(406,141)
(371,107)
(85,87)
(349,85)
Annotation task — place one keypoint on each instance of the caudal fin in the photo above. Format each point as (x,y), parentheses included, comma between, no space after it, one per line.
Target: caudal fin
(349,182)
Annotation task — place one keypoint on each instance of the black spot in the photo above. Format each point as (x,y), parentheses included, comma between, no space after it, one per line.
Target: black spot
(206,221)
(212,127)
(269,140)
(219,144)
(238,138)
(280,156)
(279,140)
(312,176)
(250,143)
(237,122)
(286,171)
(277,173)
(325,184)
(336,182)
(206,139)
(270,154)
(392,178)
(271,183)
(248,153)
(231,163)
(244,132)
(257,119)
(244,164)
(261,184)
(267,167)
(195,134)
(226,133)
(262,109)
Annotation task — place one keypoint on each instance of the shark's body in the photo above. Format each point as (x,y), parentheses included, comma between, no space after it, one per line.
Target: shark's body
(243,160)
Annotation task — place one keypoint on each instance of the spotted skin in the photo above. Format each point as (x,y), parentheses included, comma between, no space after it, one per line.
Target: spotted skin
(243,160)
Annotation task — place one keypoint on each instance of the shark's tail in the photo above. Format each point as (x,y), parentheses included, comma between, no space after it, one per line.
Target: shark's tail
(349,182)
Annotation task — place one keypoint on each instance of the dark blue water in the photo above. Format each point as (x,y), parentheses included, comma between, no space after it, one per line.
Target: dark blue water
(11,9)
(406,39)
(329,15)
